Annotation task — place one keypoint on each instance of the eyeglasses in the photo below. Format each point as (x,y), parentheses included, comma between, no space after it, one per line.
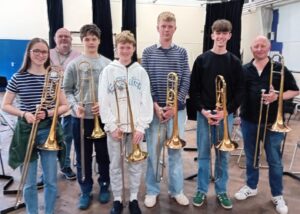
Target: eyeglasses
(37,52)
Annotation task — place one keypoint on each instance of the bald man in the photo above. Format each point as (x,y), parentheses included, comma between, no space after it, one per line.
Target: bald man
(61,55)
(257,77)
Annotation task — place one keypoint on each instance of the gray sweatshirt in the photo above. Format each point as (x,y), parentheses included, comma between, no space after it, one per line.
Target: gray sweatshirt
(78,85)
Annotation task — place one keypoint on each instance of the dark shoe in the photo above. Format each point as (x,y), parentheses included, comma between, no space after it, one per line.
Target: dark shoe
(224,201)
(84,201)
(40,183)
(117,208)
(104,194)
(199,199)
(68,173)
(134,207)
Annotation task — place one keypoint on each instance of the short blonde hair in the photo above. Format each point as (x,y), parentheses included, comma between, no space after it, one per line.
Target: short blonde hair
(166,16)
(125,37)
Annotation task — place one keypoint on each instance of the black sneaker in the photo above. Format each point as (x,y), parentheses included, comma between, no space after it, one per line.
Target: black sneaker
(40,184)
(104,194)
(68,173)
(134,207)
(117,208)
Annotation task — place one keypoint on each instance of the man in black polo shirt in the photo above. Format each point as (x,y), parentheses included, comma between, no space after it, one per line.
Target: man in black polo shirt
(257,77)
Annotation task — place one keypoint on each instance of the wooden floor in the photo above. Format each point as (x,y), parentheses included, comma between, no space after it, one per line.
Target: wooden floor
(261,204)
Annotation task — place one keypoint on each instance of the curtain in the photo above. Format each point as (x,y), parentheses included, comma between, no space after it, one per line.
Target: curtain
(55,18)
(102,18)
(231,11)
(129,19)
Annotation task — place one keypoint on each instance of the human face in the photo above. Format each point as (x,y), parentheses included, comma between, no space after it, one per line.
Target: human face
(39,54)
(125,52)
(166,30)
(260,48)
(220,39)
(63,40)
(90,44)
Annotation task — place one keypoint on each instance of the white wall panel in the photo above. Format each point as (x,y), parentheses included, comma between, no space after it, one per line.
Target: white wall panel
(23,19)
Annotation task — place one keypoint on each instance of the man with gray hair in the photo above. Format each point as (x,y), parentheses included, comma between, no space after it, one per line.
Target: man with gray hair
(61,55)
(257,79)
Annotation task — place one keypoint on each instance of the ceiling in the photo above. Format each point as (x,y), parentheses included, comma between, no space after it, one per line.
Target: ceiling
(252,3)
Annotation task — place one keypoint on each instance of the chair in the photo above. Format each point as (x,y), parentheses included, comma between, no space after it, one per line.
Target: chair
(297,146)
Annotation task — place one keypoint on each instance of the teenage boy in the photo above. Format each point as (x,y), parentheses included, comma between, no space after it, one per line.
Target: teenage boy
(217,61)
(77,82)
(159,60)
(117,118)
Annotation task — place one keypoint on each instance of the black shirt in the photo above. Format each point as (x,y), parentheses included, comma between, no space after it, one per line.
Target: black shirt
(203,90)
(255,83)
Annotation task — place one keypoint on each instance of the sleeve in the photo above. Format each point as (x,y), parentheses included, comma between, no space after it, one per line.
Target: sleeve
(289,81)
(238,90)
(185,81)
(145,64)
(69,84)
(195,86)
(146,106)
(106,114)
(12,84)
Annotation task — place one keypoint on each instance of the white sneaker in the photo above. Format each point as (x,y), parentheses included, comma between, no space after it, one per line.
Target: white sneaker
(245,192)
(181,199)
(280,204)
(150,200)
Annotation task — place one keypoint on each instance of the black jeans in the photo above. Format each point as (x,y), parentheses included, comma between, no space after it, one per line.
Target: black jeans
(101,152)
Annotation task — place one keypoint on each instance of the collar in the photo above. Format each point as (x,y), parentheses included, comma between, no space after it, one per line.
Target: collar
(158,45)
(66,54)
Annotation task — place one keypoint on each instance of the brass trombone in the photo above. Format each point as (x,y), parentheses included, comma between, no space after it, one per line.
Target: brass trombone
(174,142)
(50,94)
(121,87)
(226,144)
(136,154)
(278,125)
(86,74)
(51,142)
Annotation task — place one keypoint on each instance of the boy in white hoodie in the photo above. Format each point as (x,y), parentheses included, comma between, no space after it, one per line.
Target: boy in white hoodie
(117,118)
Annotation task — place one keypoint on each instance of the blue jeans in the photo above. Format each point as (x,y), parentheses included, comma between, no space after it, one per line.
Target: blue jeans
(272,148)
(174,156)
(68,138)
(49,167)
(221,160)
(101,151)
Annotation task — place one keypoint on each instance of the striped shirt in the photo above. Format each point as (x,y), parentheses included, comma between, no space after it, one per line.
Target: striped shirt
(29,88)
(159,62)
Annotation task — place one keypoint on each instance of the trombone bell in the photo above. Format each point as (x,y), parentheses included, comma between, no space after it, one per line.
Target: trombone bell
(97,131)
(50,145)
(97,134)
(280,127)
(227,145)
(137,155)
(175,143)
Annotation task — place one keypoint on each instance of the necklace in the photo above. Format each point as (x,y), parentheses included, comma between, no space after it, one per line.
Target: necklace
(62,58)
